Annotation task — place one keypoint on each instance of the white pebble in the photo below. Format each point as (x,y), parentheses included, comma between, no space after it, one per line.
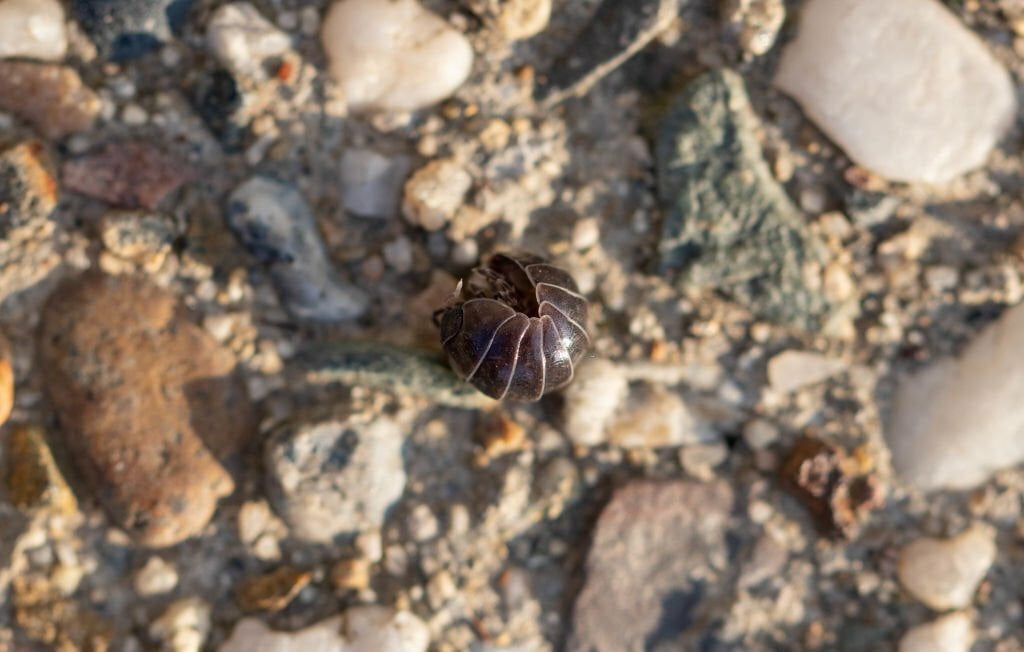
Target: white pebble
(903,87)
(155,577)
(241,39)
(434,192)
(184,626)
(592,400)
(465,252)
(791,370)
(393,56)
(360,629)
(585,234)
(33,29)
(760,434)
(398,254)
(520,19)
(944,573)
(960,420)
(952,633)
(422,524)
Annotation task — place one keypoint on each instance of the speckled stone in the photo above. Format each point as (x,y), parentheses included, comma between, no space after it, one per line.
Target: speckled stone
(50,97)
(150,406)
(28,190)
(653,546)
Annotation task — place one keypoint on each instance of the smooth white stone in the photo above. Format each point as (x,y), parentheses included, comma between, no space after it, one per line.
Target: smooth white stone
(960,420)
(790,370)
(394,55)
(944,573)
(242,39)
(592,400)
(903,87)
(33,29)
(952,633)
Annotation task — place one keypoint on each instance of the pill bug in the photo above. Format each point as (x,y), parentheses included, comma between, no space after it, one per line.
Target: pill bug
(515,328)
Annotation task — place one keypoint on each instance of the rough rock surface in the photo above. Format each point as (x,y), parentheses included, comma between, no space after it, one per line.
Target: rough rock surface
(149,406)
(728,224)
(332,474)
(638,593)
(903,87)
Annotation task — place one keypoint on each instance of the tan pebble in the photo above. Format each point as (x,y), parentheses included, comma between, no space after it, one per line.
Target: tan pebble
(521,19)
(33,479)
(945,573)
(49,96)
(351,574)
(274,590)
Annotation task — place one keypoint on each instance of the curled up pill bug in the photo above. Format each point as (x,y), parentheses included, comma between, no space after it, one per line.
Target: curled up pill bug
(515,327)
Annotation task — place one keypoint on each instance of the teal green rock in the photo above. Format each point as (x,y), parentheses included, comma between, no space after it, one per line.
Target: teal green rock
(400,370)
(728,225)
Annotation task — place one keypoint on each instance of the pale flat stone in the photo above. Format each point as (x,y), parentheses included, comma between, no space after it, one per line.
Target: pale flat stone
(960,420)
(903,87)
(361,629)
(944,573)
(393,55)
(790,370)
(952,633)
(33,29)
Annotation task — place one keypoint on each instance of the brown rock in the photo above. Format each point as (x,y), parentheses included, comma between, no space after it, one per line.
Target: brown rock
(28,191)
(131,174)
(48,96)
(655,545)
(6,380)
(150,406)
(835,487)
(33,479)
(274,590)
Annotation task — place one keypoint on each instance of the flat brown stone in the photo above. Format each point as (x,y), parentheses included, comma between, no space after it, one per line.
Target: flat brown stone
(50,97)
(150,406)
(131,174)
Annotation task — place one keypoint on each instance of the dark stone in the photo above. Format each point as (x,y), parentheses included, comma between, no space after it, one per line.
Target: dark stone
(618,30)
(728,225)
(218,101)
(128,29)
(656,545)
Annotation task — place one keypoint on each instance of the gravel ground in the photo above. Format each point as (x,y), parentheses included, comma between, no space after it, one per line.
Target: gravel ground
(227,404)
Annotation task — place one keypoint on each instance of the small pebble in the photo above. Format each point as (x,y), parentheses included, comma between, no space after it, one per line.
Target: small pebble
(945,573)
(371,183)
(351,574)
(790,370)
(422,524)
(155,577)
(434,192)
(50,97)
(398,254)
(241,39)
(142,238)
(32,477)
(760,434)
(755,23)
(585,234)
(33,29)
(951,633)
(700,460)
(521,19)
(274,222)
(465,253)
(130,174)
(592,401)
(272,591)
(184,626)
(393,56)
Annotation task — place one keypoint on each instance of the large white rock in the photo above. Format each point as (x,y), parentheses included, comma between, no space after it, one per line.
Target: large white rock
(944,573)
(33,29)
(393,55)
(902,86)
(960,420)
(952,633)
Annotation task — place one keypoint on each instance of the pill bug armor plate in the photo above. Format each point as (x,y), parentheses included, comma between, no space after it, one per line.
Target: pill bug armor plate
(516,327)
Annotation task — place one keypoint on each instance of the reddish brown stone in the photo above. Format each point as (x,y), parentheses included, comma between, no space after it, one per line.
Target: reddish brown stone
(150,406)
(826,480)
(48,96)
(131,174)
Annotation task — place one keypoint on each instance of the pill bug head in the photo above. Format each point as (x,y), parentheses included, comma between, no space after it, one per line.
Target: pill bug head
(515,327)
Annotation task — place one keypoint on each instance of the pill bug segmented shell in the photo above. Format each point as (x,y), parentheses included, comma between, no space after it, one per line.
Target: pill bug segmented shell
(516,327)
